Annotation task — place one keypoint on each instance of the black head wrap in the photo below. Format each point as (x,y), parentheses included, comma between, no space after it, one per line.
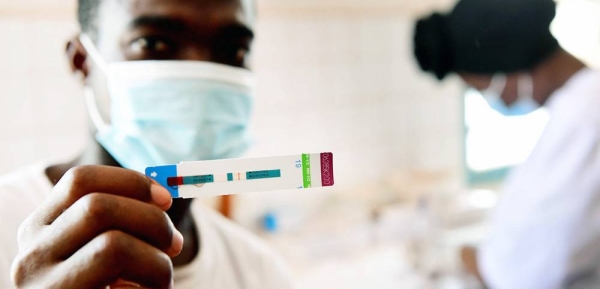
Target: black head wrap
(486,37)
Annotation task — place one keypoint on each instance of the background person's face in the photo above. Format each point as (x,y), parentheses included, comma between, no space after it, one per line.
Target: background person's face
(482,82)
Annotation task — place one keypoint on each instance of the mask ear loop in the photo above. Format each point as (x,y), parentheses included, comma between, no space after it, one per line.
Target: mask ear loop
(93,52)
(497,84)
(496,87)
(92,106)
(525,87)
(90,96)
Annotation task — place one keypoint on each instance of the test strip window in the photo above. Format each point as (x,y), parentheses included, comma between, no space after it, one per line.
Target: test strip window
(231,177)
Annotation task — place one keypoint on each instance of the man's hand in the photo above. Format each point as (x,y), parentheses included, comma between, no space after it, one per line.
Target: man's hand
(100,225)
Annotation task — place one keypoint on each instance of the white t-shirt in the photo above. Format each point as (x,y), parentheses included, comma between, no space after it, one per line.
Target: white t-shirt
(230,257)
(546,231)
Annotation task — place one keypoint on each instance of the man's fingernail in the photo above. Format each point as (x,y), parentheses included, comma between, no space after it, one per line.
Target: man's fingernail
(176,244)
(160,195)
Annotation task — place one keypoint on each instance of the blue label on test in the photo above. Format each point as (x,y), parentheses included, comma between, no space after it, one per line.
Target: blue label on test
(196,180)
(161,176)
(257,175)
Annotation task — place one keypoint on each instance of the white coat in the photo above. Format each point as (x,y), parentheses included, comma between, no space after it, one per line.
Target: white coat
(545,232)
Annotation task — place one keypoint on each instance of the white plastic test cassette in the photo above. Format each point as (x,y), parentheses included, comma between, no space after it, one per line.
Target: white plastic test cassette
(237,176)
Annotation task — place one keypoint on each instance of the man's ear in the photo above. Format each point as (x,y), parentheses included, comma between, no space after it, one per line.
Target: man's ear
(77,57)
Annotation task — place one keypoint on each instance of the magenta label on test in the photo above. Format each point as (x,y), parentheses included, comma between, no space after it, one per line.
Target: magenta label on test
(327,169)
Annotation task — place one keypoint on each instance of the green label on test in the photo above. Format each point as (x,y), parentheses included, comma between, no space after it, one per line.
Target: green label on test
(306,171)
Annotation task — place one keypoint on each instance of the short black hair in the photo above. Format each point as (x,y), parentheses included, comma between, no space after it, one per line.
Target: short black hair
(88,10)
(87,14)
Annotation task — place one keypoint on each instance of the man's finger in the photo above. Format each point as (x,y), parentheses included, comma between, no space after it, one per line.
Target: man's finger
(84,180)
(112,256)
(96,213)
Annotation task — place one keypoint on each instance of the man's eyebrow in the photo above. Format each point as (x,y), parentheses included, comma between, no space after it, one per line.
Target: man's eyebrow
(158,21)
(237,30)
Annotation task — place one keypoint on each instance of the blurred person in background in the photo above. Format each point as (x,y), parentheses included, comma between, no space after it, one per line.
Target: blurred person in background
(545,233)
(165,81)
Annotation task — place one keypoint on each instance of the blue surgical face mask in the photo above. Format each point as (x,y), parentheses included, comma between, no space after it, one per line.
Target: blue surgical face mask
(524,104)
(165,112)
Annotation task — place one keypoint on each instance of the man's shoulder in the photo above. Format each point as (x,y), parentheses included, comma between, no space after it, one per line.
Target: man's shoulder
(233,234)
(22,191)
(235,244)
(24,182)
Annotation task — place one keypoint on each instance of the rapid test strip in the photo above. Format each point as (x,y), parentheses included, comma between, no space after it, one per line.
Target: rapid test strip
(236,176)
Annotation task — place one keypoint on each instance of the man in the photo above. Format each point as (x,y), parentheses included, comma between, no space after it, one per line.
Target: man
(545,232)
(91,226)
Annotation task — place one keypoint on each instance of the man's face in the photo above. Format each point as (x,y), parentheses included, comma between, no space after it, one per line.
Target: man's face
(218,31)
(205,30)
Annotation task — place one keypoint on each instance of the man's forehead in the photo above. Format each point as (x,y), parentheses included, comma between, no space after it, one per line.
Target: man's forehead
(207,11)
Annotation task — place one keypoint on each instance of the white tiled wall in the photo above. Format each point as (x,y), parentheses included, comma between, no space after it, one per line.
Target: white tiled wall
(350,85)
(337,82)
(41,111)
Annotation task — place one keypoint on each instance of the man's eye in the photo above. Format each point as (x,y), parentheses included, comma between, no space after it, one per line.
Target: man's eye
(150,45)
(240,54)
(234,55)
